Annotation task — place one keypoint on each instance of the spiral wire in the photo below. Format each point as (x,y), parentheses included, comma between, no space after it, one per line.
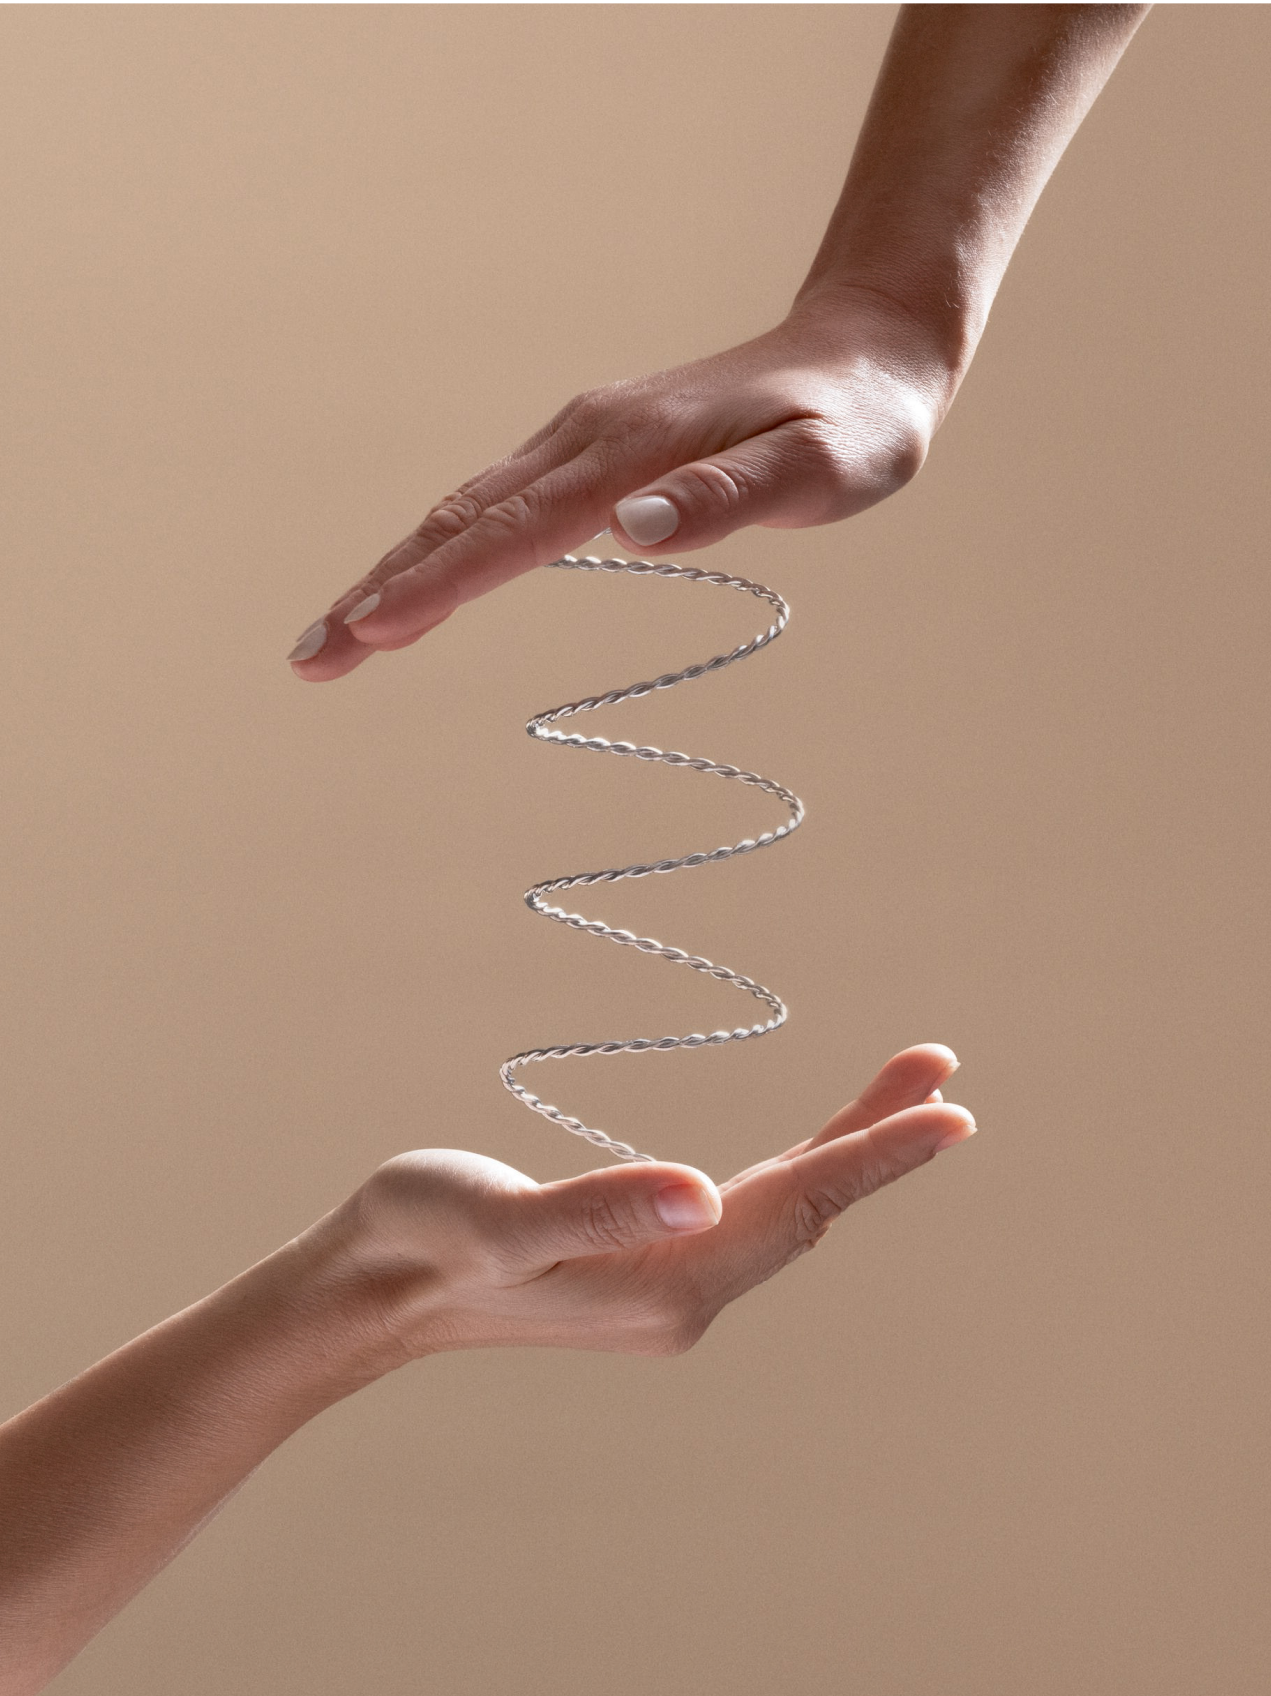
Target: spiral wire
(538,727)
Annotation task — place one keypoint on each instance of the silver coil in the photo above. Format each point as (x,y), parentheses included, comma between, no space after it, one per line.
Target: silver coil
(535,898)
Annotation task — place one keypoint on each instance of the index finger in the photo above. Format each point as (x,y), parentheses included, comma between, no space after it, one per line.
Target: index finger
(328,648)
(534,524)
(784,1209)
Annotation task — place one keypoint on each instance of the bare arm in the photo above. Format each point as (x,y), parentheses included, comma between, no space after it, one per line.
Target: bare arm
(108,1478)
(973,107)
(104,1481)
(834,408)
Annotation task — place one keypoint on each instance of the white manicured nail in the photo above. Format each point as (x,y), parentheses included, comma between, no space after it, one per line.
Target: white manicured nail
(647,518)
(363,609)
(312,642)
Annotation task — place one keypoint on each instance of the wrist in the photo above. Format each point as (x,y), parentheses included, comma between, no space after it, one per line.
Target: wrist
(331,1313)
(385,1300)
(925,342)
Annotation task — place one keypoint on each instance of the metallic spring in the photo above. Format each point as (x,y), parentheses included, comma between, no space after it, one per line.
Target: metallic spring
(535,898)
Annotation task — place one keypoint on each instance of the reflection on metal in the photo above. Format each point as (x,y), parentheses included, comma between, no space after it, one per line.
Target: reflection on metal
(535,898)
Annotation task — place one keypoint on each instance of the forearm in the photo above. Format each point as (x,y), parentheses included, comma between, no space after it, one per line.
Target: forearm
(972,109)
(104,1481)
(831,410)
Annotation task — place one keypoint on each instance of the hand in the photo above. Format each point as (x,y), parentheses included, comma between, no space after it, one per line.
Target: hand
(459,1251)
(809,423)
(834,408)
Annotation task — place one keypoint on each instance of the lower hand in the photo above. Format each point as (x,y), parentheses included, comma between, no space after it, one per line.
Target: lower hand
(814,421)
(459,1251)
(103,1481)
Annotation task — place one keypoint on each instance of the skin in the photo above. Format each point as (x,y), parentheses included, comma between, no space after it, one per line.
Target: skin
(104,1481)
(833,409)
(818,418)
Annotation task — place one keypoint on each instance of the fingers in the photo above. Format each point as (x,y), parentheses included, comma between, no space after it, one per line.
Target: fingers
(537,523)
(329,648)
(784,476)
(787,477)
(908,1079)
(555,493)
(779,1211)
(780,431)
(620,1207)
(828,1178)
(831,1176)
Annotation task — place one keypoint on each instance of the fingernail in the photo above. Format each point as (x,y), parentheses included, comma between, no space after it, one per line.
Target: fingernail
(647,518)
(955,1137)
(684,1207)
(363,609)
(311,642)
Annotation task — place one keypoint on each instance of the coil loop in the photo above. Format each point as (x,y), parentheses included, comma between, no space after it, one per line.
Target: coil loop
(535,898)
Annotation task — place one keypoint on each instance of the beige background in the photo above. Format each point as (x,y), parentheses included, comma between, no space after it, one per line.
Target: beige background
(276,278)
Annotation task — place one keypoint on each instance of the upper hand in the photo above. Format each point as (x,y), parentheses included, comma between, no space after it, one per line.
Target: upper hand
(811,422)
(458,1251)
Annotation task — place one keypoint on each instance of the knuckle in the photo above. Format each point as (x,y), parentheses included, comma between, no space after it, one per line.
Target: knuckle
(720,486)
(494,469)
(561,418)
(514,514)
(604,1225)
(880,1162)
(850,473)
(653,420)
(587,411)
(816,1209)
(449,518)
(620,415)
(819,450)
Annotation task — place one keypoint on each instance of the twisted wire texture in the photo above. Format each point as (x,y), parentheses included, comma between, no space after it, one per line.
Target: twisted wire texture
(538,727)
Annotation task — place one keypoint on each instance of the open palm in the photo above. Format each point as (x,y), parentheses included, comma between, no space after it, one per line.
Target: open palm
(468,1253)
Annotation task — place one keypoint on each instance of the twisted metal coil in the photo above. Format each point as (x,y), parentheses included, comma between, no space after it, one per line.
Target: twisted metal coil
(538,727)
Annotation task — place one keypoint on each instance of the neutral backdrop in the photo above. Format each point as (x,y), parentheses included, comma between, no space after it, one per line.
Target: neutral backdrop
(275,279)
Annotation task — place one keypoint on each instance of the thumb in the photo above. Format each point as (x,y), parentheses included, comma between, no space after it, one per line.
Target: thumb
(621,1207)
(787,478)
